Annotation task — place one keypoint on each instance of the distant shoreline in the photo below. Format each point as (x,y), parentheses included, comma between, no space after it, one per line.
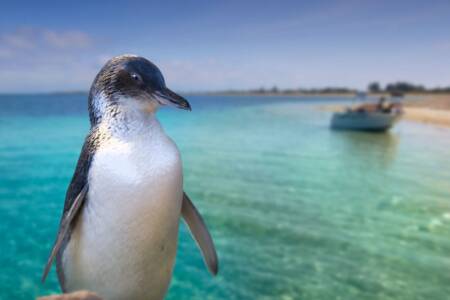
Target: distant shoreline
(239,94)
(257,94)
(429,107)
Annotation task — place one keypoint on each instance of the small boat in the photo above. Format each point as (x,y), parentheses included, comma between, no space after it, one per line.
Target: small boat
(364,121)
(368,117)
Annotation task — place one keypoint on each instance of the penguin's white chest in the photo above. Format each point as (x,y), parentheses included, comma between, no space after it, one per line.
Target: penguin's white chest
(124,243)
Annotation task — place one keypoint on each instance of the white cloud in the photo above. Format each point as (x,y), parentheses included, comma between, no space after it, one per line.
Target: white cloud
(18,40)
(27,38)
(67,39)
(33,59)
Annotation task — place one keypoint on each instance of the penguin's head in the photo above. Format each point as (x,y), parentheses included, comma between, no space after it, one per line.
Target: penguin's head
(131,81)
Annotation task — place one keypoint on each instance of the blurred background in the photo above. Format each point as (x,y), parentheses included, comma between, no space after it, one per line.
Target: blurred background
(297,210)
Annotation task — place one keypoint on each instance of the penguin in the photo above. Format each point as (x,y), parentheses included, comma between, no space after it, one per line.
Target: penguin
(119,227)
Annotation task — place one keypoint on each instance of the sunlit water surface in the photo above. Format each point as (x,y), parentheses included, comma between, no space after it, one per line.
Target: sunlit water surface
(296,211)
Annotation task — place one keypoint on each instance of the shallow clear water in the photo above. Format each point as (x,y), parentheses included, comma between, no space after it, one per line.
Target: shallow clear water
(297,211)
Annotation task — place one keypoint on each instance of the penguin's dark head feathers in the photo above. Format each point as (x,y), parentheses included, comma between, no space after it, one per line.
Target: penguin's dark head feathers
(127,78)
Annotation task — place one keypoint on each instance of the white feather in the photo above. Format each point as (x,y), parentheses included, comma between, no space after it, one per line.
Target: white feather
(99,104)
(124,243)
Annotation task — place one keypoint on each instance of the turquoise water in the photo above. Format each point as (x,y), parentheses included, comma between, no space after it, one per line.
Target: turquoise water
(297,211)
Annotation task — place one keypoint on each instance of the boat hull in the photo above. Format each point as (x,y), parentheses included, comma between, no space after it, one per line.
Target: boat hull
(364,121)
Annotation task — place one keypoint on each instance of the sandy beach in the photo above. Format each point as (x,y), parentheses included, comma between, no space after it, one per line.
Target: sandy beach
(432,109)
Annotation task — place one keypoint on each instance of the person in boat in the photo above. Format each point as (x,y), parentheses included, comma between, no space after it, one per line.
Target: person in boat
(383,106)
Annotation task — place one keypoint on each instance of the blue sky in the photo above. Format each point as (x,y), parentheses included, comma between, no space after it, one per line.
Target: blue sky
(213,45)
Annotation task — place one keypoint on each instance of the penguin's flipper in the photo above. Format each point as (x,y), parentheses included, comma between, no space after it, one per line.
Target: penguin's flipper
(66,222)
(200,233)
(75,196)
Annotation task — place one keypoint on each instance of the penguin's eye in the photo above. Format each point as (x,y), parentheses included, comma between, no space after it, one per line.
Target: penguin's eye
(136,77)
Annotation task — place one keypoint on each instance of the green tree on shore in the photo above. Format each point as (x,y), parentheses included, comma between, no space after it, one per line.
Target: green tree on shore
(374,87)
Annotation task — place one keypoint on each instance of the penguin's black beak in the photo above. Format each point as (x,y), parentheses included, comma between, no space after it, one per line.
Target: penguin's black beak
(167,97)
